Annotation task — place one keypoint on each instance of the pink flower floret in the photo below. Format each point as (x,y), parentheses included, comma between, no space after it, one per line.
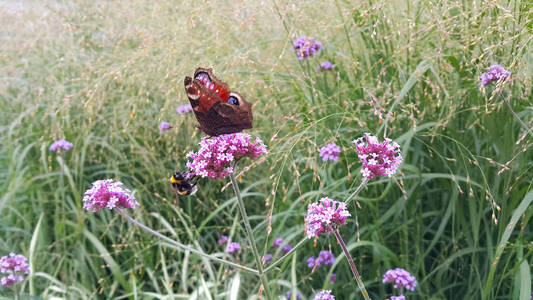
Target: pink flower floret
(325,216)
(379,159)
(216,154)
(15,265)
(108,193)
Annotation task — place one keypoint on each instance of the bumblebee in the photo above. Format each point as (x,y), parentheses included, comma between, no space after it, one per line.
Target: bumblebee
(182,185)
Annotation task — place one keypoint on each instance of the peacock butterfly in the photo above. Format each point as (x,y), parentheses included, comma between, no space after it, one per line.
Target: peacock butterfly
(218,109)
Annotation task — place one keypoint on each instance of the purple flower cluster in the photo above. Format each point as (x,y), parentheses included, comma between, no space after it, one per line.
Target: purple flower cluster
(15,265)
(401,279)
(287,248)
(325,65)
(233,247)
(222,240)
(289,294)
(324,295)
(60,144)
(330,152)
(379,159)
(401,297)
(277,242)
(324,259)
(183,109)
(164,126)
(108,193)
(306,46)
(267,257)
(495,73)
(216,154)
(325,216)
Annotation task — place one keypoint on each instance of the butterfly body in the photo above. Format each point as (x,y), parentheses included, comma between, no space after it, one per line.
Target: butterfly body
(218,109)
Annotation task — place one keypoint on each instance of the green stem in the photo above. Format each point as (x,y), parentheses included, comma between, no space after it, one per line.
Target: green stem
(516,116)
(279,260)
(352,265)
(356,192)
(251,240)
(184,247)
(17,292)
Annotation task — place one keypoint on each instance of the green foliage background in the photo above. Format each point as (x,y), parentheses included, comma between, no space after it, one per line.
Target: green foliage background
(103,75)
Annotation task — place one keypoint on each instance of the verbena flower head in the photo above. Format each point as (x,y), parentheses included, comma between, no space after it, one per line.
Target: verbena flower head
(379,159)
(222,240)
(326,65)
(60,144)
(287,248)
(330,152)
(183,109)
(277,242)
(324,295)
(267,258)
(325,258)
(164,126)
(233,247)
(333,278)
(15,265)
(306,46)
(495,73)
(311,262)
(289,294)
(217,153)
(401,297)
(108,193)
(400,278)
(325,216)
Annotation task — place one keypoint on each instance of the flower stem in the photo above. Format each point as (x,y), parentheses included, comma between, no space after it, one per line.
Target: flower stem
(251,240)
(184,247)
(352,265)
(516,115)
(291,252)
(356,192)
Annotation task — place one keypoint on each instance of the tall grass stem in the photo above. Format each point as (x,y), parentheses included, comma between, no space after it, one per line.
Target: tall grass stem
(250,235)
(184,247)
(526,127)
(352,265)
(356,192)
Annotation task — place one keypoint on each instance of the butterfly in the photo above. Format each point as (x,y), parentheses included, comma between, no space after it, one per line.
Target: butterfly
(218,109)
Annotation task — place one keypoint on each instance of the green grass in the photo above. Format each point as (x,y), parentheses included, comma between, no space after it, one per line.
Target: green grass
(104,75)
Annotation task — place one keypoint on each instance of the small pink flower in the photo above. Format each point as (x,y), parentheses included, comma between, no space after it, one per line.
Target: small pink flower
(60,144)
(10,279)
(108,193)
(324,295)
(222,240)
(277,242)
(183,109)
(330,152)
(164,126)
(401,279)
(379,159)
(233,247)
(494,73)
(325,216)
(325,65)
(306,46)
(15,265)
(216,154)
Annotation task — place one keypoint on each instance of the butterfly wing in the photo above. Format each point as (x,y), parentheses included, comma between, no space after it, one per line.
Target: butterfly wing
(218,110)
